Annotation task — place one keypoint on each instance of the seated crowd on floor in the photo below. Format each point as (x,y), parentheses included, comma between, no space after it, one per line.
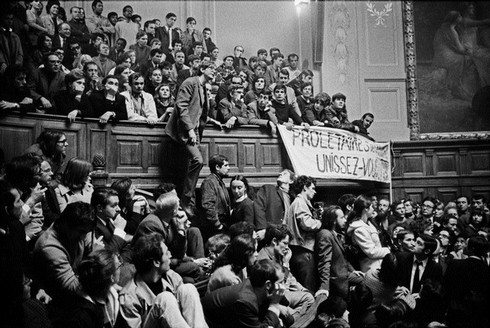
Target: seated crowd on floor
(121,68)
(75,255)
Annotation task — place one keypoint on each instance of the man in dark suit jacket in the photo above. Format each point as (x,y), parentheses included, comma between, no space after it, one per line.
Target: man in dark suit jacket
(253,303)
(110,224)
(167,33)
(190,113)
(420,259)
(60,40)
(334,271)
(467,287)
(172,223)
(272,202)
(215,200)
(45,82)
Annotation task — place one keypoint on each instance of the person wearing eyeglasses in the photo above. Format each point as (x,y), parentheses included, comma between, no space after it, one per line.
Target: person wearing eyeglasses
(47,81)
(428,206)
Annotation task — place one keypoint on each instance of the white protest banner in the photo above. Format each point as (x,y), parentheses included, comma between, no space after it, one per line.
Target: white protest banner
(327,153)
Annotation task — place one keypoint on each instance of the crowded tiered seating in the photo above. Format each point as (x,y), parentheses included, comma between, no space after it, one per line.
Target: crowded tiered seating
(75,255)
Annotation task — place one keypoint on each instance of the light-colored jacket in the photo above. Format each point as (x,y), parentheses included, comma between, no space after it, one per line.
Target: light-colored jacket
(366,236)
(149,109)
(302,224)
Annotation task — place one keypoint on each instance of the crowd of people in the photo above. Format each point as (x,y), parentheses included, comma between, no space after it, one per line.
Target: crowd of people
(65,62)
(75,255)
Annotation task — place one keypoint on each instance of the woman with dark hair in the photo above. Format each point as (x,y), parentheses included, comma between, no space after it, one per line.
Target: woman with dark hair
(72,102)
(51,146)
(303,222)
(258,84)
(43,48)
(164,101)
(243,206)
(476,223)
(153,79)
(364,235)
(51,20)
(333,268)
(133,207)
(75,183)
(122,72)
(97,274)
(230,266)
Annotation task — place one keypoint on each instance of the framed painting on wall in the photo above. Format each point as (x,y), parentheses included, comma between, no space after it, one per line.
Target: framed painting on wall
(447,48)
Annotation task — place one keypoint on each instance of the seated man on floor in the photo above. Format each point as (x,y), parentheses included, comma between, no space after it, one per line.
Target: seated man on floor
(276,249)
(252,303)
(60,248)
(185,242)
(157,296)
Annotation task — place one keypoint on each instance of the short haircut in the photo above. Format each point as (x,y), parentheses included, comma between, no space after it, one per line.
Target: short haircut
(96,272)
(478,246)
(217,243)
(291,56)
(265,92)
(306,72)
(430,199)
(190,20)
(430,243)
(148,22)
(21,172)
(240,228)
(76,215)
(338,95)
(192,58)
(206,29)
(112,14)
(279,86)
(74,75)
(284,71)
(101,196)
(261,51)
(95,2)
(140,34)
(479,197)
(174,42)
(279,55)
(170,15)
(166,204)
(263,271)
(367,114)
(278,231)
(323,98)
(196,43)
(166,65)
(122,186)
(154,41)
(133,77)
(261,64)
(301,182)
(94,36)
(127,7)
(271,50)
(156,51)
(163,188)
(216,160)
(145,250)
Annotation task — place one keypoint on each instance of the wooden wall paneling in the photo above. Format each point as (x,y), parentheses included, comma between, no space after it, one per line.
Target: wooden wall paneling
(414,164)
(446,163)
(129,154)
(154,146)
(99,145)
(447,194)
(16,137)
(478,162)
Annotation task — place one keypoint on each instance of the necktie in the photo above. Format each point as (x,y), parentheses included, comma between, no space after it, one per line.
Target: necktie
(416,278)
